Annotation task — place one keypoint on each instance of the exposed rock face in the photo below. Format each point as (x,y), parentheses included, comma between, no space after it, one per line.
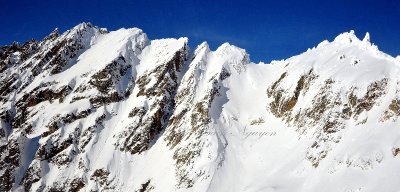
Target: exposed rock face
(32,90)
(330,104)
(157,85)
(327,104)
(21,65)
(188,129)
(91,110)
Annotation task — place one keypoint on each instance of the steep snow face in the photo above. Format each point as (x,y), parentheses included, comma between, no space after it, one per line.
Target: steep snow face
(341,98)
(55,125)
(190,132)
(92,110)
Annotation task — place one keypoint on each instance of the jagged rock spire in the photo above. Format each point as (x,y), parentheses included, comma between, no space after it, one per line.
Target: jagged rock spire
(367,38)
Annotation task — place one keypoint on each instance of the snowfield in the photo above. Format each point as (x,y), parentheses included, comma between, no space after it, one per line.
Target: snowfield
(92,110)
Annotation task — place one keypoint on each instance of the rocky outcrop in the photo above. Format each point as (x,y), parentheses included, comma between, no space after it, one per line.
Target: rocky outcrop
(91,110)
(158,86)
(21,100)
(326,105)
(189,125)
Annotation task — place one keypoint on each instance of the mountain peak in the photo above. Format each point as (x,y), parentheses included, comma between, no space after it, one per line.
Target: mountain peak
(232,55)
(202,46)
(367,38)
(227,49)
(83,25)
(93,111)
(347,37)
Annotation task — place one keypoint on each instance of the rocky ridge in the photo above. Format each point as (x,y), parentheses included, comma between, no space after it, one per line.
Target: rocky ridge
(92,110)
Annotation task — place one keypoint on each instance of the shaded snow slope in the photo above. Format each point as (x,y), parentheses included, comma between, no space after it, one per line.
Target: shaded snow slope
(92,110)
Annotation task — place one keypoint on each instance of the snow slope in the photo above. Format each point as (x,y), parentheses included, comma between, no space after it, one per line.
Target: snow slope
(92,110)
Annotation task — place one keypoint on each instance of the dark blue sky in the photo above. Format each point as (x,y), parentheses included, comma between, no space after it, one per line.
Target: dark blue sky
(266,29)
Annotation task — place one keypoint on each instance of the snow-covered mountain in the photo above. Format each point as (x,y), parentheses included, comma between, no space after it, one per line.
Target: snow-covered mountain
(92,110)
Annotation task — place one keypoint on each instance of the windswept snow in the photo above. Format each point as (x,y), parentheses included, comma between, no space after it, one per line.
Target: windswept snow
(207,113)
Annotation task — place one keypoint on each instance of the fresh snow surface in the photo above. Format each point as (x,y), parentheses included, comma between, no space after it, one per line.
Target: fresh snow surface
(238,155)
